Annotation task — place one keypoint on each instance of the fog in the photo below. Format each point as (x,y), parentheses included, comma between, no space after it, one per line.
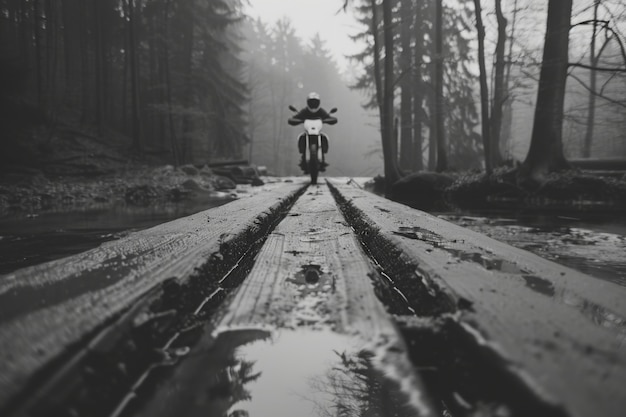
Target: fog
(283,66)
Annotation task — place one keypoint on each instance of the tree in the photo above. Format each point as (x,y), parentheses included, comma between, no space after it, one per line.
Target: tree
(484,92)
(438,125)
(381,74)
(287,60)
(593,61)
(418,86)
(390,150)
(457,101)
(498,89)
(546,146)
(407,153)
(134,71)
(507,96)
(167,68)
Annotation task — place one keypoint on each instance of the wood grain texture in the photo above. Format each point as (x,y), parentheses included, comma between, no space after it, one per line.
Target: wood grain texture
(314,235)
(47,308)
(562,331)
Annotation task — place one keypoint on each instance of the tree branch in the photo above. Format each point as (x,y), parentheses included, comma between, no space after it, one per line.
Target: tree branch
(610,100)
(604,23)
(591,67)
(607,27)
(607,82)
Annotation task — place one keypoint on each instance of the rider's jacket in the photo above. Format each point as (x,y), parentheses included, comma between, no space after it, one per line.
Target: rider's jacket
(306,114)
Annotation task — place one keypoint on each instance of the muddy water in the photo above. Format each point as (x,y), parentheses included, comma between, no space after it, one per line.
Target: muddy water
(595,245)
(34,239)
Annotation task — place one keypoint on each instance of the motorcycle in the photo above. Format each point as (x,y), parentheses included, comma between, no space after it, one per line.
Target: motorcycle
(314,144)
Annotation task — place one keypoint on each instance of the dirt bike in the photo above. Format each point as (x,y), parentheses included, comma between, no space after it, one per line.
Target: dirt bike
(314,144)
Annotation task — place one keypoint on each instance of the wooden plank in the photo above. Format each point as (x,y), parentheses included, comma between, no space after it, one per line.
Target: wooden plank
(45,309)
(314,237)
(562,331)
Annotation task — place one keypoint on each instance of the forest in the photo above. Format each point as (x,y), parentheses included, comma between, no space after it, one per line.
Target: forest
(465,77)
(162,73)
(445,86)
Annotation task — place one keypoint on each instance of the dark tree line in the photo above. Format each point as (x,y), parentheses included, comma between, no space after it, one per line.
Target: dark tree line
(169,74)
(164,72)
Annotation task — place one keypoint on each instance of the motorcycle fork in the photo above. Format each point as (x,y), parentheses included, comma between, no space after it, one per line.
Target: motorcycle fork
(314,140)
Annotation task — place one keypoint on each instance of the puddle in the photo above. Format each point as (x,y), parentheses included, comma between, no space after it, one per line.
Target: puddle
(285,373)
(593,245)
(491,264)
(596,314)
(21,300)
(53,235)
(540,285)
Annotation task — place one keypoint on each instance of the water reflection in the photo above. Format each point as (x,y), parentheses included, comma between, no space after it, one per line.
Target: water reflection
(31,240)
(356,388)
(593,245)
(540,285)
(314,373)
(488,262)
(318,374)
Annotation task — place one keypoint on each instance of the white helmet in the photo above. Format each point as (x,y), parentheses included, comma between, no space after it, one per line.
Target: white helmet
(313,102)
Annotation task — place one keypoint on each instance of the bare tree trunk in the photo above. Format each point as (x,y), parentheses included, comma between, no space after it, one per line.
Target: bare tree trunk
(168,83)
(275,137)
(406,95)
(507,117)
(498,89)
(50,51)
(382,98)
(25,35)
(71,36)
(99,55)
(546,146)
(418,93)
(484,92)
(286,161)
(126,71)
(38,63)
(442,157)
(134,76)
(378,78)
(592,85)
(84,63)
(153,129)
(390,148)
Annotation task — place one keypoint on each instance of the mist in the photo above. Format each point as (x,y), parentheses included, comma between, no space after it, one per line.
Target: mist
(281,70)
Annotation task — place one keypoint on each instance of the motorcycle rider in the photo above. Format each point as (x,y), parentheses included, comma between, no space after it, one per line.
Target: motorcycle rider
(312,111)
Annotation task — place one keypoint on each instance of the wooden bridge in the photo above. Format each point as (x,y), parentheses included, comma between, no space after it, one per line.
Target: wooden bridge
(379,308)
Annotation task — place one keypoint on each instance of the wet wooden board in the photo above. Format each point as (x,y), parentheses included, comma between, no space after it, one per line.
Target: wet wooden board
(562,331)
(314,240)
(46,308)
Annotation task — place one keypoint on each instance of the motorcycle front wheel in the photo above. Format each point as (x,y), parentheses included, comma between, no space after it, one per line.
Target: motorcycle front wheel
(314,163)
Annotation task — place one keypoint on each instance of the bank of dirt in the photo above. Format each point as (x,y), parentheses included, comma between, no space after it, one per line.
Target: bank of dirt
(69,165)
(30,193)
(573,190)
